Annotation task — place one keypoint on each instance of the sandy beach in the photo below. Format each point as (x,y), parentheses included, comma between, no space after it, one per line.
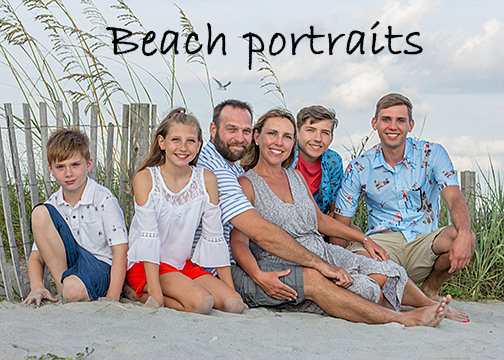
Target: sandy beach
(129,331)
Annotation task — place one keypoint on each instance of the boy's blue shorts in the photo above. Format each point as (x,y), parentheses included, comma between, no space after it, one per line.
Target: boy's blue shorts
(94,273)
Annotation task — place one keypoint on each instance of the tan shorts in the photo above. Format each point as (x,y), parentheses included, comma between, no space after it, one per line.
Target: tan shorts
(415,256)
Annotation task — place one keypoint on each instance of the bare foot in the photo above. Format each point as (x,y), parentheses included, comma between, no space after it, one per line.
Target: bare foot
(426,316)
(457,315)
(151,303)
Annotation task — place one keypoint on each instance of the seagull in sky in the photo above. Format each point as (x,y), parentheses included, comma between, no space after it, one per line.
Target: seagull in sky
(221,87)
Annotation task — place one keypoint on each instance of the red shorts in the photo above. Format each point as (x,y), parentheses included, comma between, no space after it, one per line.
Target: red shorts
(135,277)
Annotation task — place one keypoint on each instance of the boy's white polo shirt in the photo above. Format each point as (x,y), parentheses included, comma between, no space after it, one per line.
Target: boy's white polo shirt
(96,221)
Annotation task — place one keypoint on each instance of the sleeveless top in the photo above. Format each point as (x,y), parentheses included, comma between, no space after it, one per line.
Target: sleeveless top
(163,228)
(298,220)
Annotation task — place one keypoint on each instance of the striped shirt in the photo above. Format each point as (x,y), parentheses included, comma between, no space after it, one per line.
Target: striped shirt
(232,201)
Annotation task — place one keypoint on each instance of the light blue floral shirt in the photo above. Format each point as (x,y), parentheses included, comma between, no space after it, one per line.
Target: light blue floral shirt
(404,199)
(332,173)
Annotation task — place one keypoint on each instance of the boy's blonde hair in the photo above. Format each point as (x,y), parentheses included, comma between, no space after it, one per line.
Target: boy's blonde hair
(64,143)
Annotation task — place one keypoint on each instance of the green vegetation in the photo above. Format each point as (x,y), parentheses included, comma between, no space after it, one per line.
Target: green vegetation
(74,68)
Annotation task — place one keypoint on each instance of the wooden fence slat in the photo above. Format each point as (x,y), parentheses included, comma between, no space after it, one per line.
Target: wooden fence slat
(93,146)
(75,114)
(109,158)
(32,173)
(123,173)
(468,187)
(19,183)
(139,140)
(44,135)
(153,124)
(59,114)
(8,212)
(5,272)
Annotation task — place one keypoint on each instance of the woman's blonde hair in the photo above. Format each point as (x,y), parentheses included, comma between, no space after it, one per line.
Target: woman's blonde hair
(252,155)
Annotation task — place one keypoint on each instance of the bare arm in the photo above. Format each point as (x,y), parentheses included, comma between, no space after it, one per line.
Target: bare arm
(36,275)
(273,239)
(225,275)
(118,270)
(332,227)
(142,185)
(463,246)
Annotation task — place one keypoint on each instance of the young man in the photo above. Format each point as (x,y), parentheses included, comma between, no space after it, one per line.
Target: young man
(321,167)
(79,231)
(401,179)
(313,278)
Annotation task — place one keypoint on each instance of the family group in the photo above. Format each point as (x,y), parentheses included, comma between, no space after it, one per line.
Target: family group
(260,216)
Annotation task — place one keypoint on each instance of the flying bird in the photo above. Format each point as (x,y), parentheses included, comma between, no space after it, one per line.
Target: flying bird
(221,87)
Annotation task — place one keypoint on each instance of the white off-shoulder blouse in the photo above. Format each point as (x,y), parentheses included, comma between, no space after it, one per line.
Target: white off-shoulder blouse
(163,228)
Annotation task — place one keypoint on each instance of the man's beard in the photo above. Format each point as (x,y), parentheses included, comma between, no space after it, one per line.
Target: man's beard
(226,152)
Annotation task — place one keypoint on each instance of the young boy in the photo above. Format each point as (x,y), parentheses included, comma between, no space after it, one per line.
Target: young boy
(79,231)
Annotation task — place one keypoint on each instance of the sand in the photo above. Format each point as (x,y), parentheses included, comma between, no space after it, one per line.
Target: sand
(129,331)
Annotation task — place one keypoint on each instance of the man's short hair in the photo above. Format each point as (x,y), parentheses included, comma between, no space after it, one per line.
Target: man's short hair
(394,99)
(237,104)
(316,113)
(65,143)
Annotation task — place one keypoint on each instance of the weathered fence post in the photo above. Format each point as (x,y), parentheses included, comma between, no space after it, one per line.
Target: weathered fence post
(32,172)
(123,173)
(44,135)
(8,212)
(59,114)
(19,182)
(75,114)
(468,187)
(109,159)
(153,122)
(139,140)
(93,145)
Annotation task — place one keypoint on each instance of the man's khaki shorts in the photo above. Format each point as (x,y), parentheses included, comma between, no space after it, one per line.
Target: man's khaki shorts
(415,256)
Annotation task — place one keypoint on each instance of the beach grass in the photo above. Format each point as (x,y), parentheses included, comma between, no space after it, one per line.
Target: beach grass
(73,68)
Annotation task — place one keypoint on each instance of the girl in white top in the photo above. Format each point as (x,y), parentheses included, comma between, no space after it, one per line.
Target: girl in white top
(172,197)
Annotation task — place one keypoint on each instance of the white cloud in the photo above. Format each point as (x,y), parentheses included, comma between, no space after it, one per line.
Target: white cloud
(482,51)
(398,14)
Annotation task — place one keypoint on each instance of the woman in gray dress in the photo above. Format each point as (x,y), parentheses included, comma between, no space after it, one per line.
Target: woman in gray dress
(281,196)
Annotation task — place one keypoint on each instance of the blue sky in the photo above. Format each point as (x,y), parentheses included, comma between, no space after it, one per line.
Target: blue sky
(456,84)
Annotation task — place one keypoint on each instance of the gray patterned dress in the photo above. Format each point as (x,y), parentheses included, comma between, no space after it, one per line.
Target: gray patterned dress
(300,221)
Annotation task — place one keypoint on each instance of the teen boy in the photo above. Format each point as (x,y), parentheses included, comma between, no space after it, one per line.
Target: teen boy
(321,167)
(79,231)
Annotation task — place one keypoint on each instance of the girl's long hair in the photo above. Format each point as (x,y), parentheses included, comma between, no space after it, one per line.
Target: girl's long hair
(157,157)
(252,155)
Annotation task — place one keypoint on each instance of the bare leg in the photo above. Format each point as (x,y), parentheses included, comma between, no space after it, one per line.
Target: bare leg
(225,298)
(414,297)
(74,289)
(182,293)
(49,244)
(341,303)
(440,246)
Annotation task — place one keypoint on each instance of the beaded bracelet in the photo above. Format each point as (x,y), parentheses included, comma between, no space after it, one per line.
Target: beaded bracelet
(364,242)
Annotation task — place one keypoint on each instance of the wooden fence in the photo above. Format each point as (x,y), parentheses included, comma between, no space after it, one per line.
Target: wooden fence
(124,147)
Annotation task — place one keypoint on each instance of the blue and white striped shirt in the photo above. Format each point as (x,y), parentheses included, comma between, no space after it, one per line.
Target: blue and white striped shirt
(232,200)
